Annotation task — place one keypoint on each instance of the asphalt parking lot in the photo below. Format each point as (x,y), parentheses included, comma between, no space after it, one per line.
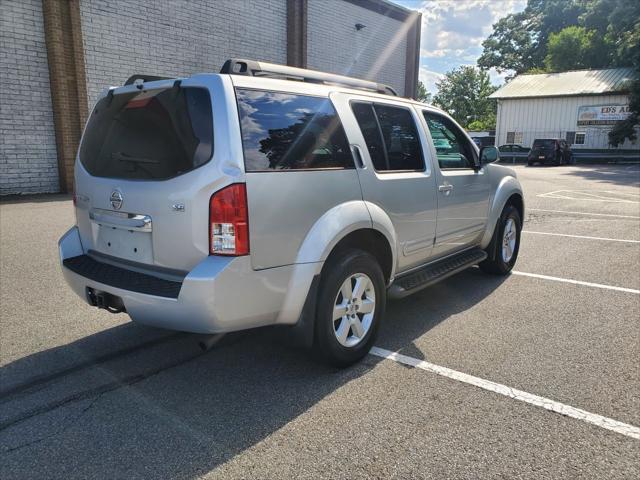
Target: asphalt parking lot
(87,394)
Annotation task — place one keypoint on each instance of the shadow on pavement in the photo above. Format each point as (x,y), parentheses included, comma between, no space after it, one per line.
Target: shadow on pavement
(610,174)
(179,413)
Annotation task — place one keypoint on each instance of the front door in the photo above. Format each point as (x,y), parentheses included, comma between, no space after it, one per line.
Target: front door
(395,170)
(463,189)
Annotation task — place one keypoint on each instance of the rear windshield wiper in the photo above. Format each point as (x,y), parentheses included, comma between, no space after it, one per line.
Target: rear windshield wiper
(123,157)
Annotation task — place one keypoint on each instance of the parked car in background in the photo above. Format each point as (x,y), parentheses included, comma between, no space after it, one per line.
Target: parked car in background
(484,141)
(550,151)
(508,150)
(317,201)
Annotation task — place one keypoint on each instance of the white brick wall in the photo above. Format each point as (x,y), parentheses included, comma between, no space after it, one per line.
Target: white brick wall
(28,160)
(377,52)
(177,37)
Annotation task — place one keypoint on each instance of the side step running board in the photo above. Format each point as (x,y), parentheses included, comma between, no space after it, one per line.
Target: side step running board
(434,272)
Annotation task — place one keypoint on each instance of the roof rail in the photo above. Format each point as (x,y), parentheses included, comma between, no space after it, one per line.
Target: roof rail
(253,68)
(145,78)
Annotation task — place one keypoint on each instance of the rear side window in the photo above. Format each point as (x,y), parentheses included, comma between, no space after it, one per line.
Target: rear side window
(152,135)
(391,137)
(282,131)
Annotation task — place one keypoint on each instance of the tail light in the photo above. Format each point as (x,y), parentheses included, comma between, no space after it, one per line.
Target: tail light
(229,221)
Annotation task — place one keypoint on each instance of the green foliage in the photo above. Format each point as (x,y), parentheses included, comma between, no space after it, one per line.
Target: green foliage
(489,123)
(464,92)
(423,95)
(519,41)
(574,48)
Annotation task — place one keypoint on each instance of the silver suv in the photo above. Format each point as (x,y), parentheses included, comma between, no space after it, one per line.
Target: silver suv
(270,195)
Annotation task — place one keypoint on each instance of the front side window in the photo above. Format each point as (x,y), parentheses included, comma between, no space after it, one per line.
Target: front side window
(149,135)
(452,147)
(391,137)
(580,138)
(282,131)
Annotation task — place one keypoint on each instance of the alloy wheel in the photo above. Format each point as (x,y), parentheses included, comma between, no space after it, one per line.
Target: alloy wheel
(353,310)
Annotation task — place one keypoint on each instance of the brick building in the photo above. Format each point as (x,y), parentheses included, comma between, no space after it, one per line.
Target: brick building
(57,55)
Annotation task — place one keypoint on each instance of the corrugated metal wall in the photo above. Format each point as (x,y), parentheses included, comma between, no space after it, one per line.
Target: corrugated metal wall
(553,117)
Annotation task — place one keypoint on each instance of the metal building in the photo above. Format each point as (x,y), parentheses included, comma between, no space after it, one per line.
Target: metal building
(580,106)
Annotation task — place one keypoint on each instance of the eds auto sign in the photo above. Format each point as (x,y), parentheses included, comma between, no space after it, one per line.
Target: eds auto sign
(602,114)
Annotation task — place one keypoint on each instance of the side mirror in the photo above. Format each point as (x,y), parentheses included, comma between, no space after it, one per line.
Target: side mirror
(489,154)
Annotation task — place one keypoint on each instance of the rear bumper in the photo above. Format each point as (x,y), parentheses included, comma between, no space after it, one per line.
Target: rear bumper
(221,294)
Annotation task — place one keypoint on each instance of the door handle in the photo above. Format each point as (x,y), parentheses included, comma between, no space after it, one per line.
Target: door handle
(446,189)
(129,221)
(358,156)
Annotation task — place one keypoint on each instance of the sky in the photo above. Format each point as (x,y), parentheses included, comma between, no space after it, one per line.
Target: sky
(453,31)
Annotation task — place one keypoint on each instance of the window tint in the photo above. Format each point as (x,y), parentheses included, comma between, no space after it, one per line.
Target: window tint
(542,143)
(151,135)
(371,132)
(290,132)
(391,137)
(452,147)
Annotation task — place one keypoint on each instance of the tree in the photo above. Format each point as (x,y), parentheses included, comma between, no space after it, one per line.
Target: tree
(423,95)
(519,40)
(464,92)
(574,48)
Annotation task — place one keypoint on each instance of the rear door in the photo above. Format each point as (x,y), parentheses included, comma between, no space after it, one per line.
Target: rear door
(463,191)
(147,167)
(395,170)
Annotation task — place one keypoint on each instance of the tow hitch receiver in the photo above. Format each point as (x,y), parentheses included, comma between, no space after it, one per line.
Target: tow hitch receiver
(106,301)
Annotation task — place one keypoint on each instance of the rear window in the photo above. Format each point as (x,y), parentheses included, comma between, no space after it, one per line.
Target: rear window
(544,143)
(149,135)
(282,131)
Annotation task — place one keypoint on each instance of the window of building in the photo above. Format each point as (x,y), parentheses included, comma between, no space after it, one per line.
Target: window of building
(580,138)
(511,137)
(517,138)
(391,137)
(571,138)
(453,149)
(281,131)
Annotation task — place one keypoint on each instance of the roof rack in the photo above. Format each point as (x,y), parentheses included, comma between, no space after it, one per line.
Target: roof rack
(253,68)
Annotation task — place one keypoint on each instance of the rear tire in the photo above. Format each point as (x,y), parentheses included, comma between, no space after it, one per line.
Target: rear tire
(350,307)
(505,244)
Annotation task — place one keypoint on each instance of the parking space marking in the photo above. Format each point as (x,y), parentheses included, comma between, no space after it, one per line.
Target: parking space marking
(546,403)
(581,236)
(583,213)
(577,282)
(583,195)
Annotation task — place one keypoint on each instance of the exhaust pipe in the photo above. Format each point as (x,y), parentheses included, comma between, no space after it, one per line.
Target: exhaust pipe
(207,342)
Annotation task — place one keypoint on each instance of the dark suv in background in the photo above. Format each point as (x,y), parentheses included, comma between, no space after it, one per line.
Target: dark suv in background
(550,151)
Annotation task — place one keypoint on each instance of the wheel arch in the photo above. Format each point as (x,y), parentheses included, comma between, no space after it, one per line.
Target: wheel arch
(339,227)
(508,192)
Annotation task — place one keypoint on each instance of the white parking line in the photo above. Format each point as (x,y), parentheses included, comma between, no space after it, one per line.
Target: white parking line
(580,195)
(546,403)
(581,236)
(577,282)
(583,213)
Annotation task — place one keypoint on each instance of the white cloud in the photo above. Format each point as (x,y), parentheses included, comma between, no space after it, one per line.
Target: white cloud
(448,25)
(429,78)
(453,31)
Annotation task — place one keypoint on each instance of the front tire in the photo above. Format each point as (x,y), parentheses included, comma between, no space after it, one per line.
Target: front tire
(350,308)
(505,244)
